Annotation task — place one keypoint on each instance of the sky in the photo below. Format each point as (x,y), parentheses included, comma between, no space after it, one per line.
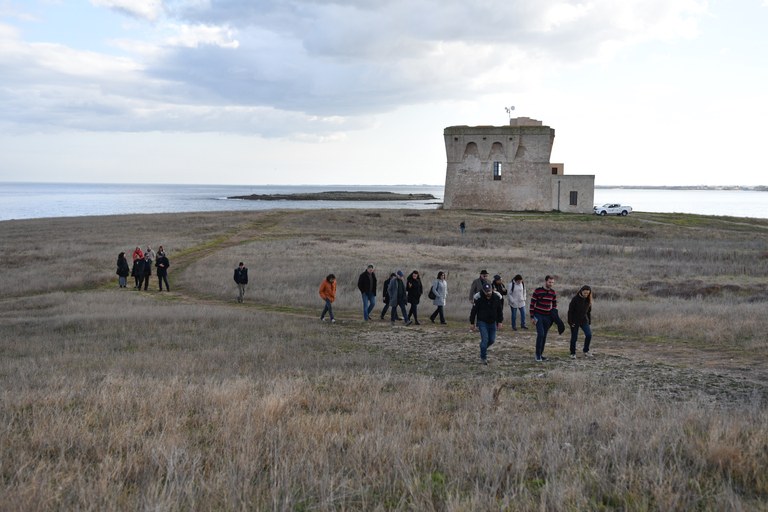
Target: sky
(256,92)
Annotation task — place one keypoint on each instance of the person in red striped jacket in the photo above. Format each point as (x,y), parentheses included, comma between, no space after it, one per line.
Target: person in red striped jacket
(544,313)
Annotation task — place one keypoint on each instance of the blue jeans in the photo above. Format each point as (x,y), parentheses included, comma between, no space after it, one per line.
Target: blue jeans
(514,316)
(543,323)
(487,337)
(369,300)
(575,334)
(400,305)
(327,309)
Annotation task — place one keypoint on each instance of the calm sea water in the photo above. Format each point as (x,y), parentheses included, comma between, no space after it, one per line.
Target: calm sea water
(37,200)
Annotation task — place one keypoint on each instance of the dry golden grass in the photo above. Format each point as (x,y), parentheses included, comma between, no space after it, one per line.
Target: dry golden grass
(116,399)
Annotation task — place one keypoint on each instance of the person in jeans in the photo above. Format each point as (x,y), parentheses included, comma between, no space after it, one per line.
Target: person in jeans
(440,289)
(241,278)
(366,283)
(488,312)
(544,313)
(328,294)
(517,300)
(147,271)
(580,316)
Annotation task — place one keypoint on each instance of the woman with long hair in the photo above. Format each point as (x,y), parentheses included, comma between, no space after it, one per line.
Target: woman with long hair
(580,316)
(440,290)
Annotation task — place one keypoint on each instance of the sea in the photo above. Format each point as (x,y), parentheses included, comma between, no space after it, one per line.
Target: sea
(41,200)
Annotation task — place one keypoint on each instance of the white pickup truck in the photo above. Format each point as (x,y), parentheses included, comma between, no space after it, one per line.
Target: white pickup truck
(613,209)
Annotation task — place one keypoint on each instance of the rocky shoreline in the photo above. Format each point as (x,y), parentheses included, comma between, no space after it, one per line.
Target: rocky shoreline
(339,195)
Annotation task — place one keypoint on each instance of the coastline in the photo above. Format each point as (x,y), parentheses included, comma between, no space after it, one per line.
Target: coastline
(338,195)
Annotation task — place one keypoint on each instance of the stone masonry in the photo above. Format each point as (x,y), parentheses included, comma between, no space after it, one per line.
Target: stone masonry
(508,168)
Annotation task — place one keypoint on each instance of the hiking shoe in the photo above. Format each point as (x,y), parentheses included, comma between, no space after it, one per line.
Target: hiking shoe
(538,359)
(525,327)
(322,319)
(543,358)
(484,362)
(333,320)
(408,322)
(588,354)
(573,356)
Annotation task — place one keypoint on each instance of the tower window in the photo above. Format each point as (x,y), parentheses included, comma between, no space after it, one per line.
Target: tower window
(574,198)
(497,171)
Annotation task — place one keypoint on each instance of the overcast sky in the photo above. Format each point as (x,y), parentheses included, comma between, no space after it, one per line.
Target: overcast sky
(640,92)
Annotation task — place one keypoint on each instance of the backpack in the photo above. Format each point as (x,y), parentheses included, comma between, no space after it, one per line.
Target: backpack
(431,293)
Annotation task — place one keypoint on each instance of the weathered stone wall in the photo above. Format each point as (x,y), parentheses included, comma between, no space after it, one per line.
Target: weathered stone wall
(523,180)
(582,185)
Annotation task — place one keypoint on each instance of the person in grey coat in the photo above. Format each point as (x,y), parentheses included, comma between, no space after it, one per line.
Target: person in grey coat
(397,297)
(440,289)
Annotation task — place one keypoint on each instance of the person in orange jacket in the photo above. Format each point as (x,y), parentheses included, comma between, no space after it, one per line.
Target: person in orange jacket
(328,294)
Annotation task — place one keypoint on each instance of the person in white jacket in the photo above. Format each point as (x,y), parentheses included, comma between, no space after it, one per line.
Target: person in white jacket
(517,301)
(440,291)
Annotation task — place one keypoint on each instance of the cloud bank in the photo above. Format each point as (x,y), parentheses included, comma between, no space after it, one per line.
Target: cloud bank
(310,68)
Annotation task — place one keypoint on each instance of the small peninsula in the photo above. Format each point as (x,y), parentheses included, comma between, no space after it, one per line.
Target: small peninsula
(339,195)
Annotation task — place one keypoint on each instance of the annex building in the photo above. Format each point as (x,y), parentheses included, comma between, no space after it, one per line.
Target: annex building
(508,168)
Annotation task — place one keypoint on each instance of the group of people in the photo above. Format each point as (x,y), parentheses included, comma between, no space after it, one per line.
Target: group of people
(141,269)
(399,291)
(487,314)
(486,295)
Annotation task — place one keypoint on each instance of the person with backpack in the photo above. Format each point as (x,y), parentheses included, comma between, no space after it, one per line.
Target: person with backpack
(397,297)
(438,292)
(489,314)
(517,301)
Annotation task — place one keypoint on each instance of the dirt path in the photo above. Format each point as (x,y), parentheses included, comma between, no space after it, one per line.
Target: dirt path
(452,351)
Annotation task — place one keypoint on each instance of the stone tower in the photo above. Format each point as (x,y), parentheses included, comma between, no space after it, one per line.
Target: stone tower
(508,168)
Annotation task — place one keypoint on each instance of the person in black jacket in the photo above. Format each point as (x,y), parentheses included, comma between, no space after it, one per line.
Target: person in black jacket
(241,278)
(489,313)
(580,316)
(138,271)
(122,269)
(366,283)
(162,264)
(414,290)
(147,273)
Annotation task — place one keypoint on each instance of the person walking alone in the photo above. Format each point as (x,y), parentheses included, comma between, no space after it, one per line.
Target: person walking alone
(440,290)
(241,278)
(328,294)
(580,316)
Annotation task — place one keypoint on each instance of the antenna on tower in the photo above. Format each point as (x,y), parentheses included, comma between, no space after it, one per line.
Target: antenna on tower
(509,111)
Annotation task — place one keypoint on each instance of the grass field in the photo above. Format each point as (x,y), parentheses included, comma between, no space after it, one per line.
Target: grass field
(121,399)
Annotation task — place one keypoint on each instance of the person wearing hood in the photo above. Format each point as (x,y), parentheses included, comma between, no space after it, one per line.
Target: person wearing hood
(580,316)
